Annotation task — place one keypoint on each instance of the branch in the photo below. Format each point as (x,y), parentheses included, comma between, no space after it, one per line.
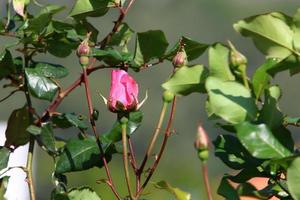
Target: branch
(162,148)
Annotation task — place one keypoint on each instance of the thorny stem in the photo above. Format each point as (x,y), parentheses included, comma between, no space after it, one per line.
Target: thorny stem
(125,159)
(206,180)
(133,162)
(154,138)
(167,134)
(93,124)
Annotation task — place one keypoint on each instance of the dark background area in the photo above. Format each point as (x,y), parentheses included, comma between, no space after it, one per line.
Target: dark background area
(206,21)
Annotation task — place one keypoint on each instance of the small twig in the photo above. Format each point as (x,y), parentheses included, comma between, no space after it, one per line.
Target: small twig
(10,94)
(153,139)
(93,124)
(167,134)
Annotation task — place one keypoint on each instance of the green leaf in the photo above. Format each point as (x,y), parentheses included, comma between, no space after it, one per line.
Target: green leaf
(271,33)
(227,190)
(111,56)
(80,154)
(230,100)
(187,80)
(6,64)
(149,45)
(261,77)
(260,141)
(122,36)
(81,193)
(291,63)
(39,23)
(270,113)
(115,134)
(92,8)
(46,138)
(51,9)
(3,185)
(293,178)
(4,156)
(230,150)
(218,62)
(40,86)
(51,70)
(192,49)
(16,134)
(178,193)
(60,46)
(67,120)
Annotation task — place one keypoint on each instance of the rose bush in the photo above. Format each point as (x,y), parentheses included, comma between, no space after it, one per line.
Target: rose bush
(255,137)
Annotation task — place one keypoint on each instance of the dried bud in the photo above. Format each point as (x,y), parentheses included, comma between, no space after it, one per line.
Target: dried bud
(237,58)
(180,59)
(201,142)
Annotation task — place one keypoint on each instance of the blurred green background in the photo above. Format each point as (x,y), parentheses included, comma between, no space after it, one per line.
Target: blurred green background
(206,21)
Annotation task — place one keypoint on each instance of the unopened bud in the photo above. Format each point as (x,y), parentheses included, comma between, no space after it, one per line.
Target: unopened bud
(236,57)
(84,60)
(168,96)
(201,143)
(180,59)
(83,49)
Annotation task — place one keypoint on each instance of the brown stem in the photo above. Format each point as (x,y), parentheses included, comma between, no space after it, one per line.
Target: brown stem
(206,180)
(133,163)
(125,159)
(167,134)
(153,139)
(93,124)
(118,23)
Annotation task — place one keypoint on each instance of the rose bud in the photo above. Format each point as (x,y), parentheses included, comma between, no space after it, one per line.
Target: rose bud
(201,143)
(124,90)
(180,59)
(236,57)
(83,49)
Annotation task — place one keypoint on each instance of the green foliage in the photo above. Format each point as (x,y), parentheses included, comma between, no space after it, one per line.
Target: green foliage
(77,194)
(293,177)
(219,63)
(40,86)
(229,100)
(149,45)
(4,156)
(178,193)
(115,133)
(16,134)
(260,143)
(187,80)
(81,154)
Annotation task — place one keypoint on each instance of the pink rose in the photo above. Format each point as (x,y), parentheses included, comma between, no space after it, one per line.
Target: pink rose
(123,92)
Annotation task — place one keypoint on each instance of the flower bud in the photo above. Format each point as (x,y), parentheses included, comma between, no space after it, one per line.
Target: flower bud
(124,90)
(84,60)
(201,141)
(236,57)
(83,49)
(168,96)
(180,59)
